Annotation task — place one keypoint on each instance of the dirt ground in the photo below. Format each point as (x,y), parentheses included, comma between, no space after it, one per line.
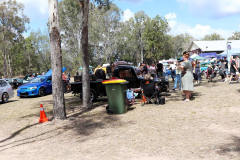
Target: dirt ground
(207,127)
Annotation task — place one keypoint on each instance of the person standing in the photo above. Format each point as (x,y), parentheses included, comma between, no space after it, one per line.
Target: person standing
(100,74)
(144,69)
(178,76)
(109,71)
(233,69)
(173,70)
(77,73)
(159,70)
(197,72)
(225,61)
(69,77)
(238,64)
(222,70)
(187,76)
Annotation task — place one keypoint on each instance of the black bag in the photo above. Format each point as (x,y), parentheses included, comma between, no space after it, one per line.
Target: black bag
(209,70)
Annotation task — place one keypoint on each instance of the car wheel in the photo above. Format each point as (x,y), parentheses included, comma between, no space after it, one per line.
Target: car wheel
(41,92)
(5,97)
(93,95)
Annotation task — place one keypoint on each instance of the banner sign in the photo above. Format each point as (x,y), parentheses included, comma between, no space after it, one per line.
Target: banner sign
(208,55)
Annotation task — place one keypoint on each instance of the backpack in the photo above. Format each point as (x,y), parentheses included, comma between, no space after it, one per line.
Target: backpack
(209,70)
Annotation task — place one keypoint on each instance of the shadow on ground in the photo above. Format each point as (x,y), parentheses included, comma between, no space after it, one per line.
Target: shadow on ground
(230,147)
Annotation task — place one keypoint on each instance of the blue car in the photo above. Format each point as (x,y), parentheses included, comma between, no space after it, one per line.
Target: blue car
(38,86)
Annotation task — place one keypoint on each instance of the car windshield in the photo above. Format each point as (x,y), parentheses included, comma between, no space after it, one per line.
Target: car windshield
(38,80)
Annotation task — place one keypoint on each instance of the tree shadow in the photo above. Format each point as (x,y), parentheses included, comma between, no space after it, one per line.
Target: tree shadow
(230,147)
(17,132)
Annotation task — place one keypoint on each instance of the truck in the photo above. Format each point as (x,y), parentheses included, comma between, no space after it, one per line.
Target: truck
(97,89)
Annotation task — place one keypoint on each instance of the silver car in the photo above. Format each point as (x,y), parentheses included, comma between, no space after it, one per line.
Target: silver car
(6,91)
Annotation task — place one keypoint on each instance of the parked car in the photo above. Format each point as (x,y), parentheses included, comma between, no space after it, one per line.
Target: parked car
(38,86)
(14,82)
(6,91)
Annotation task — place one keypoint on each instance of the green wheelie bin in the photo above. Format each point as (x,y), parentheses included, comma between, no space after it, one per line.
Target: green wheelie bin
(117,96)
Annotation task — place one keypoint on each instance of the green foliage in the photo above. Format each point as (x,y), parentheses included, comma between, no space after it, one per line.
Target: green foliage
(157,40)
(212,37)
(235,36)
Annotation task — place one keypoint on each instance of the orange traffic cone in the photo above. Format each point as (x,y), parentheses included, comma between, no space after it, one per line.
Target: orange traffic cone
(43,117)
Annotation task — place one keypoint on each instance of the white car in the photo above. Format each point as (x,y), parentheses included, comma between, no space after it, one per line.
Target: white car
(6,91)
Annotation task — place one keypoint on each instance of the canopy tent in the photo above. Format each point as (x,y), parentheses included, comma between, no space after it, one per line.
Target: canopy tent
(164,64)
(198,58)
(194,55)
(49,73)
(90,67)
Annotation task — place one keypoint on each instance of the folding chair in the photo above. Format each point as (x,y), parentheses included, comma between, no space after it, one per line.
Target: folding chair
(149,92)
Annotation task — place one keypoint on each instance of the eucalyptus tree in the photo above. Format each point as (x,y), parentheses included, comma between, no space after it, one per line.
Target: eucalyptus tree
(105,34)
(59,111)
(212,37)
(41,43)
(235,36)
(84,5)
(135,27)
(12,25)
(157,41)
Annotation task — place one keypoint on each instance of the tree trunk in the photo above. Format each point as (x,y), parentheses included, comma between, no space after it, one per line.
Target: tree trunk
(10,69)
(59,111)
(85,56)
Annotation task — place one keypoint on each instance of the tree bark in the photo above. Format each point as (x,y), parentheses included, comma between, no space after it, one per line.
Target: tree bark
(85,55)
(4,58)
(59,111)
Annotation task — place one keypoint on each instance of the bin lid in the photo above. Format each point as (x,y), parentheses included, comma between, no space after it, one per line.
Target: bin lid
(113,81)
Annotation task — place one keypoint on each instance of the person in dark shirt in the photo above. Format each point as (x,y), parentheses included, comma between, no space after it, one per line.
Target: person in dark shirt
(225,61)
(100,74)
(144,69)
(77,73)
(233,68)
(159,70)
(109,71)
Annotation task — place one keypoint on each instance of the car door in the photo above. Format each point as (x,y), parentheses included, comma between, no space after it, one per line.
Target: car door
(6,87)
(1,88)
(49,85)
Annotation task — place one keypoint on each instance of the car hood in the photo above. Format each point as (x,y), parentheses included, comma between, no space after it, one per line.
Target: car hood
(30,85)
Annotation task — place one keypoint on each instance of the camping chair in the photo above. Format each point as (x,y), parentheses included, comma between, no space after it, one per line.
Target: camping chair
(149,92)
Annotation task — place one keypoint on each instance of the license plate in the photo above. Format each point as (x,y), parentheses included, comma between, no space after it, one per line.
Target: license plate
(23,92)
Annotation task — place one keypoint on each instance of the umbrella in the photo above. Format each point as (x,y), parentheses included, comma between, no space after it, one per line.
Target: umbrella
(89,67)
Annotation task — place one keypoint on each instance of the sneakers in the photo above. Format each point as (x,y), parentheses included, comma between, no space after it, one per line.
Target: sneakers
(174,89)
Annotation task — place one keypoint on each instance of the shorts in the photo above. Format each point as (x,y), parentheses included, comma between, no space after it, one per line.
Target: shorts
(160,74)
(233,74)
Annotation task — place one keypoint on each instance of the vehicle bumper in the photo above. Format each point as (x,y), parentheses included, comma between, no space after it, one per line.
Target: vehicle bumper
(27,93)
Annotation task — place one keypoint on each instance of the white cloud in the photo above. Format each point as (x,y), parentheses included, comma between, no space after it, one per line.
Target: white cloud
(136,2)
(35,6)
(198,31)
(171,16)
(171,19)
(127,14)
(212,8)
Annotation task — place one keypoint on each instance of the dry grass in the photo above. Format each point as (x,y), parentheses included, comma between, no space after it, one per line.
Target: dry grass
(205,128)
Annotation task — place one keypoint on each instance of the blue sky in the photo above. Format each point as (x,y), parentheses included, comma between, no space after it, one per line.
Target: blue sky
(196,17)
